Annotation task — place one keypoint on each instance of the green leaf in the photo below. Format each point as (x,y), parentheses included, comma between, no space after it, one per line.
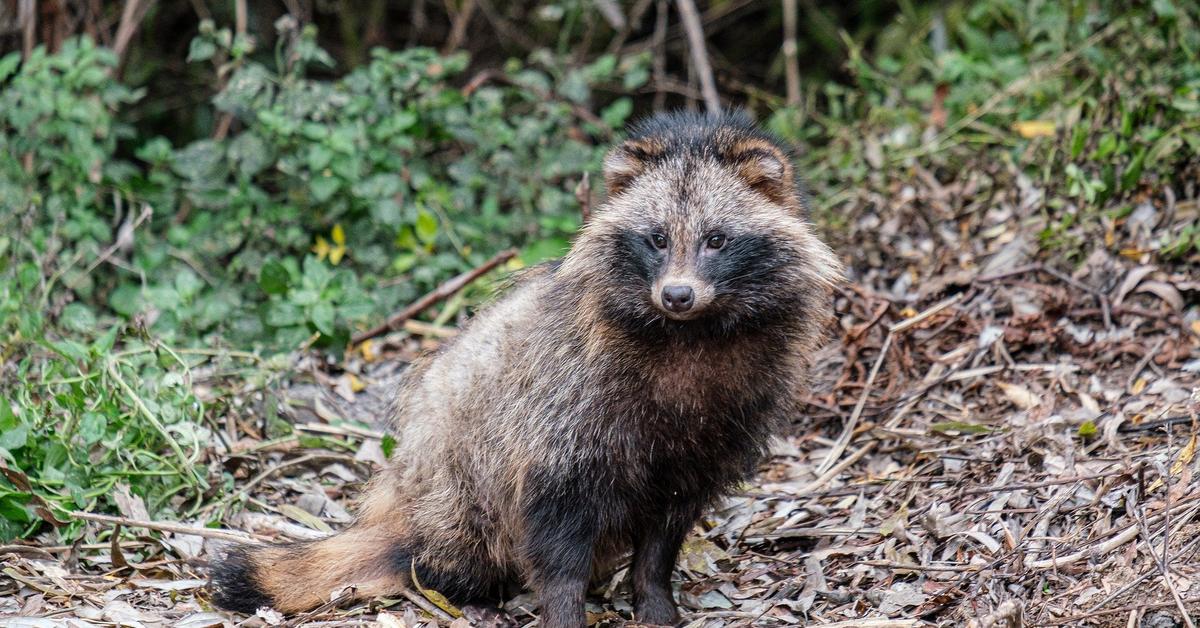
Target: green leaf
(105,342)
(78,317)
(1078,141)
(12,507)
(274,278)
(187,284)
(322,317)
(250,153)
(319,157)
(201,49)
(14,438)
(70,349)
(200,161)
(284,314)
(1133,172)
(9,64)
(542,250)
(615,114)
(323,188)
(92,427)
(125,300)
(427,226)
(388,445)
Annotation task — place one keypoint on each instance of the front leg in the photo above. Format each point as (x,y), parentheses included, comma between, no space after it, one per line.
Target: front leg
(560,532)
(655,550)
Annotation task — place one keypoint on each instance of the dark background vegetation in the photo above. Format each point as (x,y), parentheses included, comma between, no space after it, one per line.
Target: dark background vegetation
(193,193)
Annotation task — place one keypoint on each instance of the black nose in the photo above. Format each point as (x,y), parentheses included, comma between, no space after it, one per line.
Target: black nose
(678,298)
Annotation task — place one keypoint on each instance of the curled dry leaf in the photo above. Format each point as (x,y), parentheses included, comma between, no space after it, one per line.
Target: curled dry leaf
(1019,395)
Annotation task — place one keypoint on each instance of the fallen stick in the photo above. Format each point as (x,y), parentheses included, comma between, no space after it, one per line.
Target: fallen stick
(224,535)
(440,293)
(1126,535)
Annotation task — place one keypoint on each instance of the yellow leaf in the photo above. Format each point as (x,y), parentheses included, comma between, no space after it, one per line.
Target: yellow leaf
(1034,128)
(321,248)
(1139,386)
(1185,456)
(908,312)
(338,235)
(368,350)
(433,596)
(1196,327)
(356,384)
(336,254)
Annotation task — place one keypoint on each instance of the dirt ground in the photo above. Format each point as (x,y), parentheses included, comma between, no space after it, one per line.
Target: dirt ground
(997,435)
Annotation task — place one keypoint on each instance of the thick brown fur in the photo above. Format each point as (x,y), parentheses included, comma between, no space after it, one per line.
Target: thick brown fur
(575,419)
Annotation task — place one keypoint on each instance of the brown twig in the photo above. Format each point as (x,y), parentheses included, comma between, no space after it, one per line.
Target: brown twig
(162,526)
(124,238)
(458,30)
(848,430)
(425,605)
(791,52)
(27,17)
(1162,565)
(131,16)
(225,122)
(245,488)
(1132,584)
(440,293)
(509,31)
(695,35)
(660,54)
(1032,485)
(632,22)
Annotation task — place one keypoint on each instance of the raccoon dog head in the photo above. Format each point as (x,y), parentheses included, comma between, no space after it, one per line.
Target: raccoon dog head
(703,230)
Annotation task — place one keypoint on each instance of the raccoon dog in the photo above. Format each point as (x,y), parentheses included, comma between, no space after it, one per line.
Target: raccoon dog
(601,404)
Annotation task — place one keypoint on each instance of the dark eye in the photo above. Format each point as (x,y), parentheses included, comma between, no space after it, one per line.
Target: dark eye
(716,241)
(659,240)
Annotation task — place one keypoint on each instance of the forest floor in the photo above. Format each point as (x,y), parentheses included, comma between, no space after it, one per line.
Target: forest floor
(998,436)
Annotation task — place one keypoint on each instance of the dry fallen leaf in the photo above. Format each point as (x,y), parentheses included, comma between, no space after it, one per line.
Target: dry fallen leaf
(388,620)
(1019,395)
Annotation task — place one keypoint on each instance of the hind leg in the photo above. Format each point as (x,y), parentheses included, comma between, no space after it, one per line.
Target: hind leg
(558,549)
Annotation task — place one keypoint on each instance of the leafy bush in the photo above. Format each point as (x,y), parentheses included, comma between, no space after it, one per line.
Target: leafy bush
(1095,102)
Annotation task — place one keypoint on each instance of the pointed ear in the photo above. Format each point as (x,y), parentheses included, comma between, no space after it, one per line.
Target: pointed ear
(764,167)
(626,162)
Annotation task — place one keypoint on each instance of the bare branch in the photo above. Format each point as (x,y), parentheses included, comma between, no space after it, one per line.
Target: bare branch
(440,293)
(791,53)
(695,35)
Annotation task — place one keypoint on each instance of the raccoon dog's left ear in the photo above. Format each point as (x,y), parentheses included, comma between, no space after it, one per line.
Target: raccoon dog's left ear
(626,162)
(765,168)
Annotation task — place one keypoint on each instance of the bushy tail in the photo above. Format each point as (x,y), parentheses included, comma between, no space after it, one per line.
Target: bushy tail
(295,577)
